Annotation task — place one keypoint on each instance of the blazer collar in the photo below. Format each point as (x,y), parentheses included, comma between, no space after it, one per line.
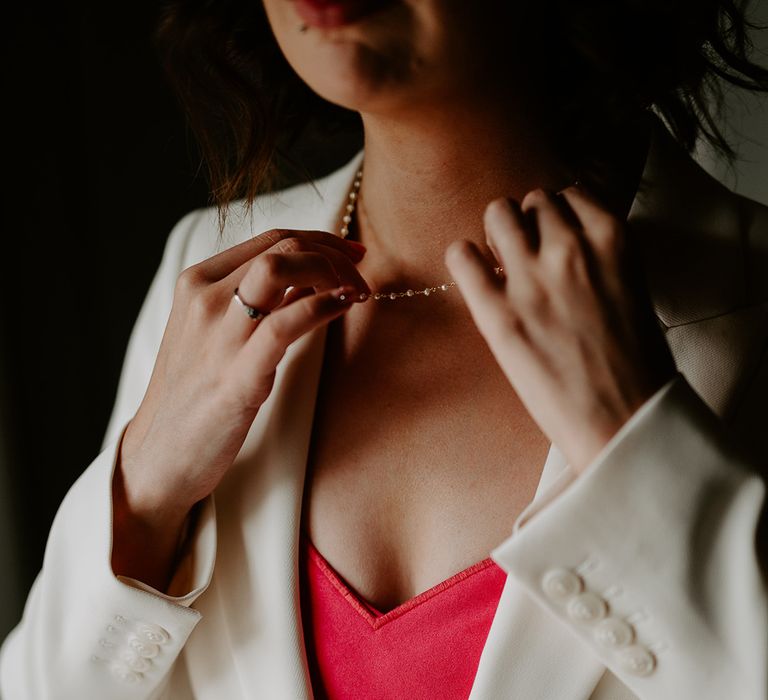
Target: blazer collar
(686,224)
(688,227)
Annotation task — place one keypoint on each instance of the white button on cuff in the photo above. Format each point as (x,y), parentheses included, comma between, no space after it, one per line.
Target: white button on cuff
(135,662)
(586,607)
(152,633)
(561,584)
(142,647)
(124,674)
(613,633)
(636,660)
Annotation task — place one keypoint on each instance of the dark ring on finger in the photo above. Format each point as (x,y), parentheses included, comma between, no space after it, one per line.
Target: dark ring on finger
(252,311)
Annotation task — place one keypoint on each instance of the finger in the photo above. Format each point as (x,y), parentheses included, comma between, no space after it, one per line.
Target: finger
(264,284)
(223,264)
(615,253)
(293,294)
(601,228)
(558,227)
(268,343)
(345,267)
(563,243)
(507,235)
(481,287)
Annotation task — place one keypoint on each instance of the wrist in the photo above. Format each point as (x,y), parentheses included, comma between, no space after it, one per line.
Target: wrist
(139,493)
(146,538)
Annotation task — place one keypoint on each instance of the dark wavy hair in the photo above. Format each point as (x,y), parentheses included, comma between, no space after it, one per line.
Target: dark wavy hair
(607,63)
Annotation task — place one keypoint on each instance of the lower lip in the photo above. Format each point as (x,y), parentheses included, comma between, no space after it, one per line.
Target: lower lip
(336,13)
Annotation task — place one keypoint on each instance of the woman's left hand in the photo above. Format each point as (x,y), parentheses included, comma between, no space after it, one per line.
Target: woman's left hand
(571,322)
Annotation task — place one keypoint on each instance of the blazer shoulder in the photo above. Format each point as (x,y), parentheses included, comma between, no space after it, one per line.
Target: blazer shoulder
(310,204)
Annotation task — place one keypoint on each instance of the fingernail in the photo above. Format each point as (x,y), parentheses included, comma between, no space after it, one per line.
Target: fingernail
(359,247)
(344,294)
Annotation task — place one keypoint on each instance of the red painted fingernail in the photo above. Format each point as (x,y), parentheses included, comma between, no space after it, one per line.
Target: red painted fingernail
(356,246)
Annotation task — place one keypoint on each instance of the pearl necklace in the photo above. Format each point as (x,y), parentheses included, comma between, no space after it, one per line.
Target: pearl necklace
(347,219)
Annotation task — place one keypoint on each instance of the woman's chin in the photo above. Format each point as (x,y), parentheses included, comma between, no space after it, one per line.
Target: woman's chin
(367,60)
(352,74)
(353,90)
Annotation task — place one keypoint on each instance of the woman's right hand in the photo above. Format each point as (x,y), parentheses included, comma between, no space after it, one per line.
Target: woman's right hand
(215,367)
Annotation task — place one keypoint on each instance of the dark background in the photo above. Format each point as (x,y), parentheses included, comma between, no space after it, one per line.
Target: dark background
(97,168)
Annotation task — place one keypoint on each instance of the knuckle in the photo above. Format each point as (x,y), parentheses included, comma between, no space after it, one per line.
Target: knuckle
(318,259)
(204,303)
(190,280)
(329,268)
(291,244)
(322,265)
(272,236)
(609,236)
(562,257)
(268,265)
(531,297)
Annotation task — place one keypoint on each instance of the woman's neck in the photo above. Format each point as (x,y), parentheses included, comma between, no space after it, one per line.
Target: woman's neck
(427,182)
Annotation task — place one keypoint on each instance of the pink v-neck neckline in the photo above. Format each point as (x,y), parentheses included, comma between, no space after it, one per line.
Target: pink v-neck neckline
(374,617)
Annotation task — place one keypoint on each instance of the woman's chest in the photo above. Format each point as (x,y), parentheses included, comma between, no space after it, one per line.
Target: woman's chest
(414,475)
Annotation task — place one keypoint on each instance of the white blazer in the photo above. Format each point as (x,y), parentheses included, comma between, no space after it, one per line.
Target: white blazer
(641,578)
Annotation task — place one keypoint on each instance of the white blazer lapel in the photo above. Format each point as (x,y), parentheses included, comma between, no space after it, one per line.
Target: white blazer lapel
(259,620)
(691,232)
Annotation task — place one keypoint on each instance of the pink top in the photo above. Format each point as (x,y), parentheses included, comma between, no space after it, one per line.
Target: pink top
(427,647)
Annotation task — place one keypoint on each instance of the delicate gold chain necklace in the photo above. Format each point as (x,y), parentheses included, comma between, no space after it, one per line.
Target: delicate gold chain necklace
(347,219)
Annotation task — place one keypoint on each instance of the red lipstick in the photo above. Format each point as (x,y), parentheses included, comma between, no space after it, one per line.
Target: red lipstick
(336,13)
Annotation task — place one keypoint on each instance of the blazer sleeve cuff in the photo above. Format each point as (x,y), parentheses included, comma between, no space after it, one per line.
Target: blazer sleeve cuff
(196,562)
(87,634)
(569,475)
(649,555)
(196,558)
